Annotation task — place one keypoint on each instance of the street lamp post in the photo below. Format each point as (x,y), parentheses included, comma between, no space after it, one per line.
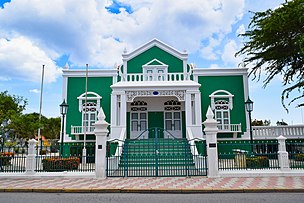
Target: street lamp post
(63,110)
(249,109)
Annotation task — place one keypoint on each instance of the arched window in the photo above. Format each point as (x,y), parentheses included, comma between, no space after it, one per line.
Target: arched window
(89,106)
(222,114)
(222,104)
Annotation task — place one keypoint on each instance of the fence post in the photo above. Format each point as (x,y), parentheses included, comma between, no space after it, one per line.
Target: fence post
(31,158)
(211,141)
(283,154)
(101,133)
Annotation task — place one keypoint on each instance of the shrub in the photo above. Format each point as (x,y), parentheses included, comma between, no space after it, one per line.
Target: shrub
(257,162)
(5,158)
(60,164)
(299,157)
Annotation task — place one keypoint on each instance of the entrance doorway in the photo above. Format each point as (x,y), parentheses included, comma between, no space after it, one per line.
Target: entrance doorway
(138,123)
(173,123)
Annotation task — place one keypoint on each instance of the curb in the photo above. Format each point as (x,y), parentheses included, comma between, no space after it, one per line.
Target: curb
(151,190)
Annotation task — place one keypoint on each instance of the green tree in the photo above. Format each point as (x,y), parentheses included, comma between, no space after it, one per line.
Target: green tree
(275,44)
(51,128)
(260,122)
(11,105)
(26,126)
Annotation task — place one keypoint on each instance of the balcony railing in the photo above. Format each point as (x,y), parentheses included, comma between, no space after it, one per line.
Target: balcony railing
(292,131)
(77,130)
(229,127)
(138,77)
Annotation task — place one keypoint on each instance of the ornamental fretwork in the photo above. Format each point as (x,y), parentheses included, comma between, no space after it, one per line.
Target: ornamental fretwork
(180,94)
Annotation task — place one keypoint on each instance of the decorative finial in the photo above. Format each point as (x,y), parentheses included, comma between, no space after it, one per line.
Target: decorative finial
(101,116)
(210,113)
(125,50)
(66,66)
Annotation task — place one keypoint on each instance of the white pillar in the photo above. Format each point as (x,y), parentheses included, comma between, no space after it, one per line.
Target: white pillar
(198,108)
(31,158)
(101,132)
(211,141)
(123,110)
(188,109)
(114,109)
(283,154)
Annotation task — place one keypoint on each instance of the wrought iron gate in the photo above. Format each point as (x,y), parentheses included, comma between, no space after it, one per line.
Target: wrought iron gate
(162,155)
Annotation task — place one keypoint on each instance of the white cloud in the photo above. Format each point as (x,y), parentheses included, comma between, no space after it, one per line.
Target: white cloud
(36,91)
(240,30)
(20,58)
(228,56)
(87,31)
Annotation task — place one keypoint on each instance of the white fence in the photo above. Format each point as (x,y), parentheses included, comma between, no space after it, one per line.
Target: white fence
(271,132)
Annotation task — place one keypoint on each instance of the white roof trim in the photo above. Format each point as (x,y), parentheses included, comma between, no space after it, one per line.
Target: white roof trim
(91,73)
(157,43)
(149,63)
(219,71)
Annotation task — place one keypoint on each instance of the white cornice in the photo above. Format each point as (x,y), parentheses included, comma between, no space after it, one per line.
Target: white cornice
(220,71)
(91,73)
(159,44)
(165,85)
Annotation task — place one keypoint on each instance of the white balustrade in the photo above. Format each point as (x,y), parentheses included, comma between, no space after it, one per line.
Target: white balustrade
(229,127)
(288,131)
(81,129)
(156,77)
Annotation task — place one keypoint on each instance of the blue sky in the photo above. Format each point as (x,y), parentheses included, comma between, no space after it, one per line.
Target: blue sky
(33,33)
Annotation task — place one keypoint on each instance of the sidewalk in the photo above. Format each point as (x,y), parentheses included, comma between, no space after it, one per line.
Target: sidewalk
(153,184)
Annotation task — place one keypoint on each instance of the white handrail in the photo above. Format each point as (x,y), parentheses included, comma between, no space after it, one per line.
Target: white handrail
(121,140)
(192,142)
(289,131)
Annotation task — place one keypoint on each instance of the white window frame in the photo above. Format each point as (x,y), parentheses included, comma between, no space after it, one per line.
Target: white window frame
(91,97)
(152,72)
(216,97)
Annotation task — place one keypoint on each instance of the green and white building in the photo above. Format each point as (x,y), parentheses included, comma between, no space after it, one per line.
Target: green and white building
(155,87)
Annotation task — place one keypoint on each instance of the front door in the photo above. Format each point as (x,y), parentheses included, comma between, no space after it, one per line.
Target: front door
(173,123)
(138,124)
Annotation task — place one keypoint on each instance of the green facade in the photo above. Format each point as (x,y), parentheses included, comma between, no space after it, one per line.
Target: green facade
(76,87)
(174,64)
(232,84)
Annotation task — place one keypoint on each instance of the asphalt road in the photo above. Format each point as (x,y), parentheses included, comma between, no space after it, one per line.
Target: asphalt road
(150,198)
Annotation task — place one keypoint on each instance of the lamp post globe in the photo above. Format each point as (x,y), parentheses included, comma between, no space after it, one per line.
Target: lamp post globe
(249,109)
(63,111)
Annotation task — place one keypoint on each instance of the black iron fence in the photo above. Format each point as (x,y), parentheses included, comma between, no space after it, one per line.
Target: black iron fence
(295,151)
(156,157)
(13,159)
(236,155)
(69,157)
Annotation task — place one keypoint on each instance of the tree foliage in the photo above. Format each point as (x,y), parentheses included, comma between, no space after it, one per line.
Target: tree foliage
(26,125)
(11,105)
(51,128)
(275,44)
(260,122)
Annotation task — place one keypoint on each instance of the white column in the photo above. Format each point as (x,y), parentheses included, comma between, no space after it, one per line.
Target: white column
(113,109)
(123,110)
(31,158)
(211,142)
(101,133)
(198,108)
(188,109)
(283,154)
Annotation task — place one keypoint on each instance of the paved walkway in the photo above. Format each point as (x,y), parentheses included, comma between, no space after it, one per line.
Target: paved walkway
(147,185)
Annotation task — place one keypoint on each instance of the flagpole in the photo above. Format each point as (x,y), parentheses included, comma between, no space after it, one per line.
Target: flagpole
(40,110)
(86,118)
